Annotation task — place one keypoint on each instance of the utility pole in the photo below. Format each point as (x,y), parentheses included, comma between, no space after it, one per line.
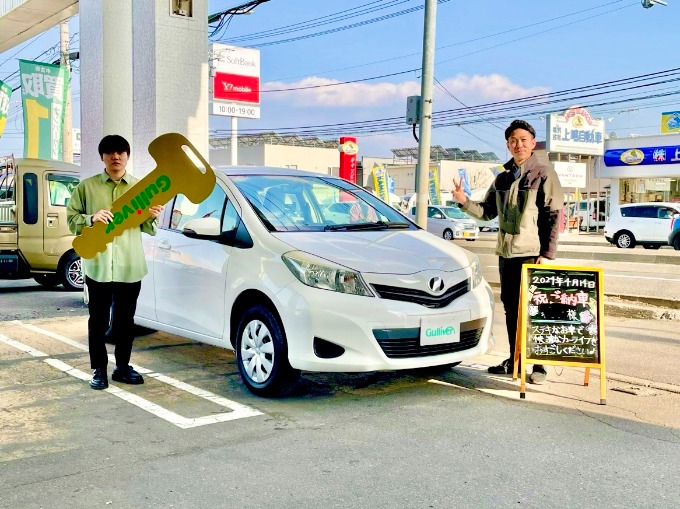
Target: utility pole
(66,139)
(425,131)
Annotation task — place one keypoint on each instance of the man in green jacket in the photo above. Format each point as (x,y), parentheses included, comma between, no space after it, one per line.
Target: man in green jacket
(113,277)
(527,198)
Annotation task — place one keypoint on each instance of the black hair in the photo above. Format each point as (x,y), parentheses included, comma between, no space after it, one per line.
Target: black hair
(519,124)
(113,143)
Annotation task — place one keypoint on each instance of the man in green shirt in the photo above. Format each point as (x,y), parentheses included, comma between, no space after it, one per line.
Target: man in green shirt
(114,276)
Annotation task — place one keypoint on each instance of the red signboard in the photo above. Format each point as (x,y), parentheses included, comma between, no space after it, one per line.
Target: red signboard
(348,158)
(235,87)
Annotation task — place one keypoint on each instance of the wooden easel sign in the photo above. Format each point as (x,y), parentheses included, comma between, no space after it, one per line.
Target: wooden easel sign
(561,321)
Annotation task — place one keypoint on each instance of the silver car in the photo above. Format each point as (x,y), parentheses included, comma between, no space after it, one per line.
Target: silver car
(449,222)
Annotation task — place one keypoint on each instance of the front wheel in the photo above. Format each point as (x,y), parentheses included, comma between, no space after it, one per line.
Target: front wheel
(448,234)
(70,272)
(262,353)
(676,243)
(625,240)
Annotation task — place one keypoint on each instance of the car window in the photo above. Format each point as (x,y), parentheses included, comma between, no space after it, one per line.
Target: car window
(183,209)
(433,212)
(665,213)
(455,213)
(61,187)
(231,218)
(310,203)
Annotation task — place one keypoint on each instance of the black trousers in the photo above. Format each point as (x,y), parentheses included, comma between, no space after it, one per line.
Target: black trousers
(510,270)
(103,298)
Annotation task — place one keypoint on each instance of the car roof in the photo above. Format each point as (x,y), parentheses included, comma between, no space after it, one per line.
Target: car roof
(655,203)
(268,170)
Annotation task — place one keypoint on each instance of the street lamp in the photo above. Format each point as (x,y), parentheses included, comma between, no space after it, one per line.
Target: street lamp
(650,3)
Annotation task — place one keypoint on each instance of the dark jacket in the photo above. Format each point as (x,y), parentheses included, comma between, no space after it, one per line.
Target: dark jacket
(528,209)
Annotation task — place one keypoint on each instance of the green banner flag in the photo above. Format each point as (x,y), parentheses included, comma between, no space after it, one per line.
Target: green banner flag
(43,94)
(5,94)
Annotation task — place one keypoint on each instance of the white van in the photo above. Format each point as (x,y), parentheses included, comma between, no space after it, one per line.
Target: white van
(591,211)
(647,224)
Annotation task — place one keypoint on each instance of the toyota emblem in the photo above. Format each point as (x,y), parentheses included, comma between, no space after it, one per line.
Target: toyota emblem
(436,284)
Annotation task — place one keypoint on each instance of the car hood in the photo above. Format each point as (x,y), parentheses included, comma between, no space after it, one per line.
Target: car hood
(380,252)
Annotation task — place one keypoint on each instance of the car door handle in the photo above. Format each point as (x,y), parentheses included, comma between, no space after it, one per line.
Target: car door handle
(164,245)
(52,220)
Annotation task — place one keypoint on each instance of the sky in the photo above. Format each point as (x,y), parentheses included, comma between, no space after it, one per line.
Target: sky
(359,61)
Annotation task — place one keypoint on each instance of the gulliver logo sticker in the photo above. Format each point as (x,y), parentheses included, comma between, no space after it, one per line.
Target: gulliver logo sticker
(632,156)
(174,173)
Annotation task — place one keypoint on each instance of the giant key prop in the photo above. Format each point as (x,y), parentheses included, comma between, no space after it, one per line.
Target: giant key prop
(175,173)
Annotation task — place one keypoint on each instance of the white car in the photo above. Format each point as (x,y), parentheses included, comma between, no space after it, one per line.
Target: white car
(449,222)
(258,268)
(647,224)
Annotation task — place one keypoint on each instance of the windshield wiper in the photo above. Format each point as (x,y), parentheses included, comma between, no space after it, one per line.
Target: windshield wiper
(379,225)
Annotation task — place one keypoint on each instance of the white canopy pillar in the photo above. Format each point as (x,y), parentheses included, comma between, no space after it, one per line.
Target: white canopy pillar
(170,62)
(105,77)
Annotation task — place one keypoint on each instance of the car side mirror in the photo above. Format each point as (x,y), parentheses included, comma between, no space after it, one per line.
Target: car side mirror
(202,228)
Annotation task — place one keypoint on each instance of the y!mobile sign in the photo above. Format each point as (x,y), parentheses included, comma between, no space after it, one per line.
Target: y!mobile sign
(236,74)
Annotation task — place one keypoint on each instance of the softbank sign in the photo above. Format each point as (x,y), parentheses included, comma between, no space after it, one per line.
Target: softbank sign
(236,73)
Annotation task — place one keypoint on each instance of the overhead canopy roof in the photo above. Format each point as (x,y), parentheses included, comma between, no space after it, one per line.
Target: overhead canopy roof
(22,19)
(438,153)
(271,138)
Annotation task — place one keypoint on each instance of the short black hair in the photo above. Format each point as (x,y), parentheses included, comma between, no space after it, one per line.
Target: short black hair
(113,143)
(519,124)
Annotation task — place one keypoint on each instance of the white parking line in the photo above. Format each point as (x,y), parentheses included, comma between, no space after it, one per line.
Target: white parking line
(238,411)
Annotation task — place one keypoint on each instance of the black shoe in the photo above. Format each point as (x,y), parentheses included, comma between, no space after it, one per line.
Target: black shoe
(504,368)
(126,375)
(99,379)
(538,375)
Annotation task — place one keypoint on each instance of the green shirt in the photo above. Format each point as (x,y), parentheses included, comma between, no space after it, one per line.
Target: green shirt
(123,261)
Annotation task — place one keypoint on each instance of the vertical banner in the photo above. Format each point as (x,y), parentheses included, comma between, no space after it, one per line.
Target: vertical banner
(5,94)
(43,95)
(462,173)
(380,182)
(348,158)
(433,187)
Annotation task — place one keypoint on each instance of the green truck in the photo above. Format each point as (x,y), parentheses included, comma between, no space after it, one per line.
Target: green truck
(35,241)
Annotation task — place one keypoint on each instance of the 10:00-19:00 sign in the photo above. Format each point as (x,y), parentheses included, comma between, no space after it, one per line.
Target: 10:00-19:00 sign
(236,110)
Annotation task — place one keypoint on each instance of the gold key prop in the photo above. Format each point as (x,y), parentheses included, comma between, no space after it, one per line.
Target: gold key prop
(175,173)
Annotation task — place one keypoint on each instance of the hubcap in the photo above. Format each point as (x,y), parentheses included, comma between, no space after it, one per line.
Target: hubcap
(75,274)
(257,351)
(624,241)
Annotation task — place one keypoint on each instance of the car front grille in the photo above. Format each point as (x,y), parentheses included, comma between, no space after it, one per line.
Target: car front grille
(405,343)
(421,297)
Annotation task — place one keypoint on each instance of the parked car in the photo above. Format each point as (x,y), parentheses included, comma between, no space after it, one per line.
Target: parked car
(674,236)
(491,225)
(647,224)
(592,213)
(449,222)
(35,241)
(258,267)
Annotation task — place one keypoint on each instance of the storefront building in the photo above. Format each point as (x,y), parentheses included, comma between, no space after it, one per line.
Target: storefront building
(642,169)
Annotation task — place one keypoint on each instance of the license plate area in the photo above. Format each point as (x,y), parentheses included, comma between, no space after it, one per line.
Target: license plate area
(441,329)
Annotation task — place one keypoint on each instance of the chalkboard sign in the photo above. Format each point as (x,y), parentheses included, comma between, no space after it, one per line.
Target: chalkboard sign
(561,319)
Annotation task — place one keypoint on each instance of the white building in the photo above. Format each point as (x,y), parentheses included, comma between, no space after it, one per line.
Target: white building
(642,169)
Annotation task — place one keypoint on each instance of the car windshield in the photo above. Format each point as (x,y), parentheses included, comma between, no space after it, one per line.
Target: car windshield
(454,213)
(316,203)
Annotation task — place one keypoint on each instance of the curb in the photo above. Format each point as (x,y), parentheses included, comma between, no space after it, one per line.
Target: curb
(594,255)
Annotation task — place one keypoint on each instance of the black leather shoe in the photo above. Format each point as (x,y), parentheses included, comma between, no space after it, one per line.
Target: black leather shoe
(126,375)
(99,379)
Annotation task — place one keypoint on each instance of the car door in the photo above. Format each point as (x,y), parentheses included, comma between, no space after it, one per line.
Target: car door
(662,223)
(437,221)
(190,273)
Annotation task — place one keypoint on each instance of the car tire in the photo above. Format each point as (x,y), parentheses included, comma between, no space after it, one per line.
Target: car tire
(448,234)
(676,243)
(262,353)
(624,240)
(47,280)
(70,272)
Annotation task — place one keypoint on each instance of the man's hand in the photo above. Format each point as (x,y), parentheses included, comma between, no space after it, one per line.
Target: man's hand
(458,192)
(156,211)
(102,216)
(541,260)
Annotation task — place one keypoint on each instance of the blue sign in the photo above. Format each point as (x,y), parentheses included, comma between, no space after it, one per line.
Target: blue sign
(642,156)
(462,173)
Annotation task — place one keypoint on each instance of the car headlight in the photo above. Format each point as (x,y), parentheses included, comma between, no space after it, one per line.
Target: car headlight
(476,268)
(319,273)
